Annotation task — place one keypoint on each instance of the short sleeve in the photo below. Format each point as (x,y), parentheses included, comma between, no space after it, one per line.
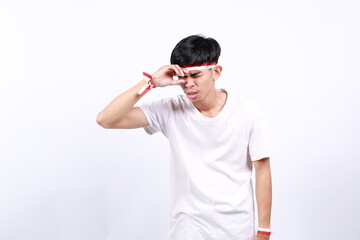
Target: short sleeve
(156,113)
(259,146)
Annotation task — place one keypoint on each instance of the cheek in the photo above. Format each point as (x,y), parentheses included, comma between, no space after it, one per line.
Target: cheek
(207,83)
(200,81)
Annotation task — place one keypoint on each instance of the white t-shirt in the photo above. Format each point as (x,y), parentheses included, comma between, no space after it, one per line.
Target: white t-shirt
(211,165)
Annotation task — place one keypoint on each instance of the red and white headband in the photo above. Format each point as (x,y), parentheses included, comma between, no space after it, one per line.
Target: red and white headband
(200,66)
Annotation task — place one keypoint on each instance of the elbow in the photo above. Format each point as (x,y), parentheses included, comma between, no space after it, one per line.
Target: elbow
(108,122)
(102,121)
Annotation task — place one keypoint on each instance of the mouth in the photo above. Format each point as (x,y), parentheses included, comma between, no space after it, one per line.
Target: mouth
(192,95)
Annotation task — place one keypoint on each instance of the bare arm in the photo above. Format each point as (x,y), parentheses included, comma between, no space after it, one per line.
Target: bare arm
(121,113)
(263,193)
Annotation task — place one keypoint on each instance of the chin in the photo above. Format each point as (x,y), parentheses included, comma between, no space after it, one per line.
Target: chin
(194,100)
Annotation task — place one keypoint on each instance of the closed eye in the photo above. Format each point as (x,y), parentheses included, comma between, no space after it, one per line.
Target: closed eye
(193,75)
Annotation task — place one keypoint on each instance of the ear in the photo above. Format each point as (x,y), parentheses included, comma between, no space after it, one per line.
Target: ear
(217,72)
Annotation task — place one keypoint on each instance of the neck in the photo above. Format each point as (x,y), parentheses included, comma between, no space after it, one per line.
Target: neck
(212,104)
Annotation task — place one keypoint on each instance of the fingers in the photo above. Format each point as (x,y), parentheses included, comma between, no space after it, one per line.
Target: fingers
(179,71)
(165,75)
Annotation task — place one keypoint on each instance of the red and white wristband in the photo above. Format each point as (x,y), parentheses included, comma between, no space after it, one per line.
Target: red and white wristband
(264,231)
(148,86)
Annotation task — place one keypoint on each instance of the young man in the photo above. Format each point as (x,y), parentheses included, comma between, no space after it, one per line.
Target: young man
(215,140)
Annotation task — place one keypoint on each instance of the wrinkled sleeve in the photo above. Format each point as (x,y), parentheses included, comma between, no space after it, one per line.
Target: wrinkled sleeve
(155,113)
(259,146)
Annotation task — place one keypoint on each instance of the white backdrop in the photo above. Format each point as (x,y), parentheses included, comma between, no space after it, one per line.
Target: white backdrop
(64,177)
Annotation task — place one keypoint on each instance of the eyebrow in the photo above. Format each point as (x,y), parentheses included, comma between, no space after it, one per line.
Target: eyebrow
(192,74)
(195,73)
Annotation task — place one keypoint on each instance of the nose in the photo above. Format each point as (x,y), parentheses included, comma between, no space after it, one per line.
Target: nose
(189,82)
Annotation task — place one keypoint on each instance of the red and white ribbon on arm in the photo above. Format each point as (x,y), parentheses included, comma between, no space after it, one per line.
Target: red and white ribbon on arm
(264,231)
(200,66)
(147,87)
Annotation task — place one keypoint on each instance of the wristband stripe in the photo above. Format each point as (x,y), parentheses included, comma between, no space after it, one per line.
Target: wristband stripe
(147,87)
(263,233)
(147,75)
(264,229)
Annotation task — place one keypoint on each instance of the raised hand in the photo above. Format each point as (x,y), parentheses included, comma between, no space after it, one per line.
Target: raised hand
(164,76)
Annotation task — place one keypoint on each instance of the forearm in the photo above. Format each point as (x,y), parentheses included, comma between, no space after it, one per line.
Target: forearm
(120,106)
(264,197)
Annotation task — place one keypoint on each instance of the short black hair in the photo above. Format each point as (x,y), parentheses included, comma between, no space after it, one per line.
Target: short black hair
(195,50)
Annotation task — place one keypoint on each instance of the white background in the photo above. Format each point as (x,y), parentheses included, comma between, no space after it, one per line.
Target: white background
(64,177)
